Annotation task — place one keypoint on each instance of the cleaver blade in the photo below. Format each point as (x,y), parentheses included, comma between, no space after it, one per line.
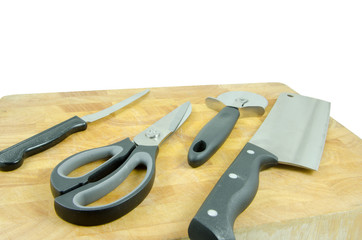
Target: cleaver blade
(293,133)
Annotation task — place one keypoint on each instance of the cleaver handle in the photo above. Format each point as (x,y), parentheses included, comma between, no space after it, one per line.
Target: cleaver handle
(212,136)
(13,157)
(231,195)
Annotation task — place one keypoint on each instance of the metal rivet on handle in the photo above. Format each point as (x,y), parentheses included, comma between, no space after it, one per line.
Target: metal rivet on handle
(212,213)
(250,151)
(233,176)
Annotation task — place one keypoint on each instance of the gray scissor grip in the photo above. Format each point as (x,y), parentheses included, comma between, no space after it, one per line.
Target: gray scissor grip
(71,206)
(117,154)
(86,157)
(101,189)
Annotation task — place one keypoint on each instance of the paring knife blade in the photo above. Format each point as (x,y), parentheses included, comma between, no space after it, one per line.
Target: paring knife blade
(13,157)
(293,133)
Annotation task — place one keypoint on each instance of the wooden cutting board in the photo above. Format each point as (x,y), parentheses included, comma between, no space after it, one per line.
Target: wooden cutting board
(290,203)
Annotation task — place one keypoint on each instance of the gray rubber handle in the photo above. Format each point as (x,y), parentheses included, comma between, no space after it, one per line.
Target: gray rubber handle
(231,195)
(72,204)
(212,136)
(116,154)
(13,157)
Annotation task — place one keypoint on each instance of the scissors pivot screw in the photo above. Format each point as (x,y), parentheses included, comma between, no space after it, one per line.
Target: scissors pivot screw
(152,133)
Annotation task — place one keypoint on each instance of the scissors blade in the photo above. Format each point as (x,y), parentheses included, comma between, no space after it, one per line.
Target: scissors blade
(160,130)
(180,116)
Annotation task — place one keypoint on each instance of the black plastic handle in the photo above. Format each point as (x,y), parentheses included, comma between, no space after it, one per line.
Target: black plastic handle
(117,154)
(212,136)
(72,205)
(231,195)
(13,157)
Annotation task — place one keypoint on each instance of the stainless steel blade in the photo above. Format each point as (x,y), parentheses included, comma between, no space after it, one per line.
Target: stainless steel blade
(180,116)
(160,130)
(295,130)
(105,112)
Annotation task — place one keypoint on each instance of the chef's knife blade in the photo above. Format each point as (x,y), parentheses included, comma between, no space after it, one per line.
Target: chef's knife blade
(293,133)
(13,157)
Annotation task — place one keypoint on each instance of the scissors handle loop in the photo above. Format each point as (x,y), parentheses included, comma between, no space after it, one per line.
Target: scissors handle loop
(72,206)
(117,154)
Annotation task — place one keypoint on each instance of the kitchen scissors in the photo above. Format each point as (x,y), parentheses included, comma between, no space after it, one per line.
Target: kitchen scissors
(73,194)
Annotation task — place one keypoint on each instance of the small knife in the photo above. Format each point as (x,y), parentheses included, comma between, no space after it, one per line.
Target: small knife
(293,133)
(13,157)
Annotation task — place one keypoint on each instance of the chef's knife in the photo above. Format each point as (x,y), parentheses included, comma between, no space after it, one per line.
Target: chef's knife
(13,157)
(293,133)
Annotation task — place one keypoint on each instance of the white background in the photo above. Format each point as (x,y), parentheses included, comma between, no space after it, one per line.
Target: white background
(315,47)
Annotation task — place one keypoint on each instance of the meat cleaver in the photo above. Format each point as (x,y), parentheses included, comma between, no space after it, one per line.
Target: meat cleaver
(293,133)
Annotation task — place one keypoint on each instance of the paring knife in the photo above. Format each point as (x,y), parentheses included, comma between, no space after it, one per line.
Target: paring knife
(13,157)
(293,133)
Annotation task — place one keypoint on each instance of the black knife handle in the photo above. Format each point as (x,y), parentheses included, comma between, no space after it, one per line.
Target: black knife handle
(13,157)
(212,136)
(231,195)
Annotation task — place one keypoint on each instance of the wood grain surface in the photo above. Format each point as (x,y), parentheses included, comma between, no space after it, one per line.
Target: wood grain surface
(290,204)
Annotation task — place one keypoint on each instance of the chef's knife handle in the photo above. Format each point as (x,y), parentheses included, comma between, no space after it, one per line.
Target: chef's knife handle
(13,157)
(212,136)
(231,195)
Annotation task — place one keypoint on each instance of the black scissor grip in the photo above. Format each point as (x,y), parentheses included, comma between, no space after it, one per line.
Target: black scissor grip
(72,205)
